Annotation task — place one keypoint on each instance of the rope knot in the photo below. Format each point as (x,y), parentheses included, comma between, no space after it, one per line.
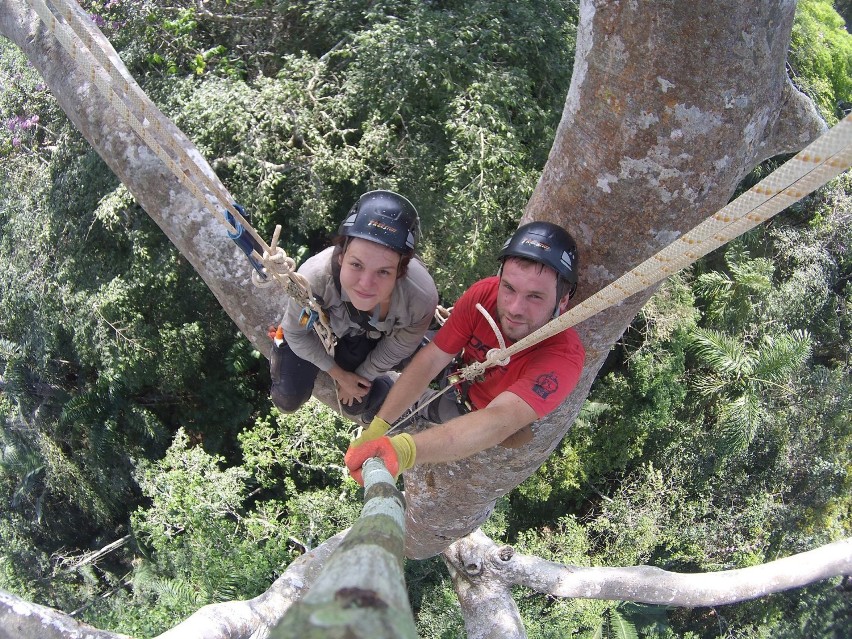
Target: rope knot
(492,358)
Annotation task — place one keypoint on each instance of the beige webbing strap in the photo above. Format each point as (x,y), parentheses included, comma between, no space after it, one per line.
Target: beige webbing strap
(94,54)
(824,159)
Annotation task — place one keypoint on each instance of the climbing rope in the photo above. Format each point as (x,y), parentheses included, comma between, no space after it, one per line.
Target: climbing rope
(822,160)
(441,316)
(94,54)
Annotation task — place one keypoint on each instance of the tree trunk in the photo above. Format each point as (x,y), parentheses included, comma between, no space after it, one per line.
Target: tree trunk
(671,104)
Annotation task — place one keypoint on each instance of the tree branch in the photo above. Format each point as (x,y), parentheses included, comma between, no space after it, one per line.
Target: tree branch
(486,600)
(798,123)
(20,619)
(647,584)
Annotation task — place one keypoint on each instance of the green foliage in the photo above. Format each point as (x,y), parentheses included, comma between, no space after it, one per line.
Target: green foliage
(741,378)
(201,544)
(306,446)
(104,354)
(821,57)
(736,296)
(615,626)
(399,102)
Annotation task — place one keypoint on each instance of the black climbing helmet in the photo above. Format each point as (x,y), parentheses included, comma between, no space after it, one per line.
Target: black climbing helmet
(384,217)
(547,244)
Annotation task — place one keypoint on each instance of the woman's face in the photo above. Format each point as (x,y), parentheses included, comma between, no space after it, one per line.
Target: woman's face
(368,273)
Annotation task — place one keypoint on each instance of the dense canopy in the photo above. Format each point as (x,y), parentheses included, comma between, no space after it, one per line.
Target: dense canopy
(717,434)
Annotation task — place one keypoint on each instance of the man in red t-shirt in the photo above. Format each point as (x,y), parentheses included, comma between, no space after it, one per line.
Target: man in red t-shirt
(537,277)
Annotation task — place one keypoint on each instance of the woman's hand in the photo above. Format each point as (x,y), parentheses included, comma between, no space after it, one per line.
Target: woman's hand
(350,387)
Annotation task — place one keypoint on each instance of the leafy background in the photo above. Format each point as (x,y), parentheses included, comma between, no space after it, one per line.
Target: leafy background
(717,436)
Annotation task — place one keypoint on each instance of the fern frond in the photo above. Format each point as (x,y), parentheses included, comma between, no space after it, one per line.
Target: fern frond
(721,352)
(710,385)
(145,422)
(753,275)
(82,410)
(782,355)
(739,420)
(615,626)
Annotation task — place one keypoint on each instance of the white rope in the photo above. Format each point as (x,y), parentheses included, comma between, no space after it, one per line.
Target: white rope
(93,53)
(496,351)
(822,160)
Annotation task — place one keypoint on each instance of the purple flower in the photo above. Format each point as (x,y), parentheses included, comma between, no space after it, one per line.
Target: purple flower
(16,142)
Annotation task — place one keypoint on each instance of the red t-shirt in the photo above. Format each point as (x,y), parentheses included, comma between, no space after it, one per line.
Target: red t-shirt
(543,375)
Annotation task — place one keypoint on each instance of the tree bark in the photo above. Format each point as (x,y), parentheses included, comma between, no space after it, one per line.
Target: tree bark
(20,619)
(488,608)
(361,591)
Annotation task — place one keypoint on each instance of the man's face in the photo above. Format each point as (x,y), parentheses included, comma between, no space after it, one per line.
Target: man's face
(526,298)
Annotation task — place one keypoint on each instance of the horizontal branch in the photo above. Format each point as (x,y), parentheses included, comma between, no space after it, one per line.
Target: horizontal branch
(646,584)
(21,619)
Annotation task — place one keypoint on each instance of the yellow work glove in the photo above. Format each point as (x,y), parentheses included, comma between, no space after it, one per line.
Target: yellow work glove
(397,453)
(405,449)
(377,428)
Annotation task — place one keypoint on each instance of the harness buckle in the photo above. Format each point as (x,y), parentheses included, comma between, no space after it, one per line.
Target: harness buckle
(307,318)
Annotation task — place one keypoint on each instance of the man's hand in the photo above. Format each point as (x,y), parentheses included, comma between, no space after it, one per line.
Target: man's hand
(397,453)
(376,429)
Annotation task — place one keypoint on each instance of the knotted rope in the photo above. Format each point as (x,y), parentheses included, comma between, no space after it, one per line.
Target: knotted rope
(822,160)
(95,56)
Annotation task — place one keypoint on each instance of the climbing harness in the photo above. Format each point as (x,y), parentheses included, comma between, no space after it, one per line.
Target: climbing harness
(90,49)
(816,164)
(457,381)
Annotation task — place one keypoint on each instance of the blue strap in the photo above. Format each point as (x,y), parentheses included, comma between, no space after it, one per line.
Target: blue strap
(307,318)
(245,241)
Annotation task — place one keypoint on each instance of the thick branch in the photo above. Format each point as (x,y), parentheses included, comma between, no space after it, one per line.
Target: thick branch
(798,124)
(20,619)
(487,605)
(647,584)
